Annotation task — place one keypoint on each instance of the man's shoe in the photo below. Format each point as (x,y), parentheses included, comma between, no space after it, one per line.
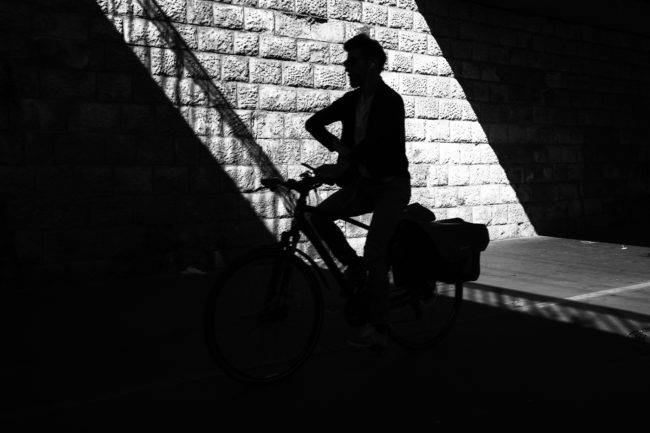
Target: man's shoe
(370,338)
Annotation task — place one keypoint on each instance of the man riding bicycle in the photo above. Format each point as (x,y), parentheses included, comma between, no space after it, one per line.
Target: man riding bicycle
(372,170)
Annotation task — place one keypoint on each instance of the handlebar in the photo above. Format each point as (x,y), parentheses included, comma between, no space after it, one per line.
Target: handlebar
(302,186)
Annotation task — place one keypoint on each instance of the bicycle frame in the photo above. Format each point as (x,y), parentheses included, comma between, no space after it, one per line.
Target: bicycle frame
(301,224)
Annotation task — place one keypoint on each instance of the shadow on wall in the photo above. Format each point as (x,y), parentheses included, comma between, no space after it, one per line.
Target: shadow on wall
(567,134)
(101,174)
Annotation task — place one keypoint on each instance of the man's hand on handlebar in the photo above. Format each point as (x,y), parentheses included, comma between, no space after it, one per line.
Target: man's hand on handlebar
(330,172)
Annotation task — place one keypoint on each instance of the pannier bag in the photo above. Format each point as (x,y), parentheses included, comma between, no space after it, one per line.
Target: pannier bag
(423,249)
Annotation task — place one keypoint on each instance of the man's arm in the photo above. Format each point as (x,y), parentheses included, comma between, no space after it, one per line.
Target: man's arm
(315,125)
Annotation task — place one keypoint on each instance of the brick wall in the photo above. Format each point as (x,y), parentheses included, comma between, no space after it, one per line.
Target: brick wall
(134,132)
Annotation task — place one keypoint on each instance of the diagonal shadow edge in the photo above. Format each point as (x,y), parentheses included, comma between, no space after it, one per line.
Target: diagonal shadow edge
(216,99)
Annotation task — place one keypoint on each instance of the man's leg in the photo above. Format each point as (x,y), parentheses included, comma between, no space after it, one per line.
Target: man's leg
(390,200)
(346,202)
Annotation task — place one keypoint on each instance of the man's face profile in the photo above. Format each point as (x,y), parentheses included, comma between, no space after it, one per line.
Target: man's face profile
(357,67)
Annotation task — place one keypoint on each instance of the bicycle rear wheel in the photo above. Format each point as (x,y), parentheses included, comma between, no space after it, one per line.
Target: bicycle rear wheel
(263,317)
(421,317)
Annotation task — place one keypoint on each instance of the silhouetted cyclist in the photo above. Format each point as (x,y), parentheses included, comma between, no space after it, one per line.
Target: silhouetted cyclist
(372,170)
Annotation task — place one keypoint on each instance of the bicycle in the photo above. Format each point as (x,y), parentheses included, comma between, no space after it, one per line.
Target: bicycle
(264,315)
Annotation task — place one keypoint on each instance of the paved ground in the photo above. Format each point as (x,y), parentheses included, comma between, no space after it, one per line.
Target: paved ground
(554,332)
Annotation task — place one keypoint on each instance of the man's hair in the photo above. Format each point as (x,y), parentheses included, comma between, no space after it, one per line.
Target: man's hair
(370,48)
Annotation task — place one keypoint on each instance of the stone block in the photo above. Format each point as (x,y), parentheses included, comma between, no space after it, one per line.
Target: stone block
(337,54)
(411,5)
(445,197)
(481,214)
(227,151)
(281,152)
(420,23)
(438,175)
(133,179)
(247,96)
(59,24)
(458,175)
(422,152)
(240,124)
(170,179)
(468,111)
(93,116)
(265,71)
(312,100)
(202,120)
(277,99)
(413,42)
(478,133)
(216,40)
(68,84)
(345,10)
(490,194)
(497,174)
(278,47)
(258,20)
(409,106)
(174,10)
(284,5)
(469,154)
(297,75)
(317,8)
(374,14)
(449,153)
(155,150)
(329,31)
(450,110)
(412,84)
(469,195)
(295,125)
(387,37)
(312,51)
(200,12)
(208,66)
(433,47)
(415,129)
(268,125)
(143,32)
(460,131)
(426,108)
(235,68)
(246,44)
(329,77)
(444,68)
(393,80)
(398,61)
(314,153)
(480,174)
(419,174)
(437,130)
(438,87)
(400,18)
(228,16)
(114,87)
(423,64)
(293,26)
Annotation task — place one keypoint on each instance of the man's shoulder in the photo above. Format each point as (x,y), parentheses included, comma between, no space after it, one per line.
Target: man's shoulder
(389,95)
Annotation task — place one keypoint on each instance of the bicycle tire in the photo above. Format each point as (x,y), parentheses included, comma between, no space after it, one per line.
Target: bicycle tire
(243,323)
(421,317)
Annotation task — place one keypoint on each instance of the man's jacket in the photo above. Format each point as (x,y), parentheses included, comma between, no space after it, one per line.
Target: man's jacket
(383,150)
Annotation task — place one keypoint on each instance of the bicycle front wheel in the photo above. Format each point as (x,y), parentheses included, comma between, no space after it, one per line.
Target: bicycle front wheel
(263,317)
(421,317)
